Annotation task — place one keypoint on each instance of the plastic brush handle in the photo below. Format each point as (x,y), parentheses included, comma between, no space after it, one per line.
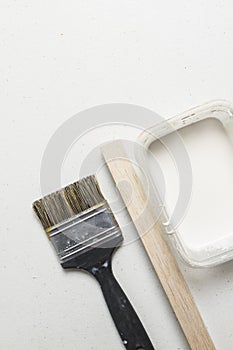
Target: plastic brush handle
(128,324)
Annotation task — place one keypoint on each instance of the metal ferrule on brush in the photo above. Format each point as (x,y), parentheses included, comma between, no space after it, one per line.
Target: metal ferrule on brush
(94,228)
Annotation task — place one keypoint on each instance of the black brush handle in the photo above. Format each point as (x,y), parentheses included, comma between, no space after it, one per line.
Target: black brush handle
(129,326)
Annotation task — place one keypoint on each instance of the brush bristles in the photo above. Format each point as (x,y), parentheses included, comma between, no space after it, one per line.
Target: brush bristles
(68,202)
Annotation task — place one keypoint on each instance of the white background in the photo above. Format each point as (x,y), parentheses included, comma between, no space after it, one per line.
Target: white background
(58,58)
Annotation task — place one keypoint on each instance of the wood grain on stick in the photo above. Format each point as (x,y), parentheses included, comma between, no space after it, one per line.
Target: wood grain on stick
(156,246)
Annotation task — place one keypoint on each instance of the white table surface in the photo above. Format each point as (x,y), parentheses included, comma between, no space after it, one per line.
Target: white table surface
(58,58)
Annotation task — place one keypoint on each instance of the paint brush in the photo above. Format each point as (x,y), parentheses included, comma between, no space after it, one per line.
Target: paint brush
(85,234)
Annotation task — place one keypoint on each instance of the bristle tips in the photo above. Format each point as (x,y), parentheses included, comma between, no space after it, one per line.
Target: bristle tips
(68,202)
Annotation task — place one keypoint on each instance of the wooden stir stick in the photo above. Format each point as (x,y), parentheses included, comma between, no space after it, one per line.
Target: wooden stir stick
(157,247)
